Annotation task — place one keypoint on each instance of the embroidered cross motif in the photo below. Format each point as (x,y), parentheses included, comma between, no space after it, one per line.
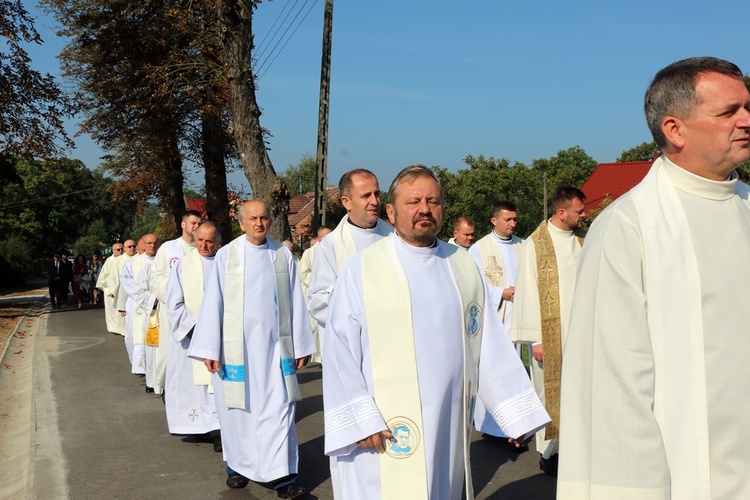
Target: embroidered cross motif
(493,271)
(193,415)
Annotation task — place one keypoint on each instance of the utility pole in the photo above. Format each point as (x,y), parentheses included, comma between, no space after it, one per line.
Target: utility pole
(544,209)
(321,160)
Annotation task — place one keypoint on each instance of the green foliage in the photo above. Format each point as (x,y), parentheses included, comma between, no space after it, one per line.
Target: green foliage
(33,106)
(642,152)
(474,191)
(56,203)
(15,260)
(146,222)
(301,177)
(166,229)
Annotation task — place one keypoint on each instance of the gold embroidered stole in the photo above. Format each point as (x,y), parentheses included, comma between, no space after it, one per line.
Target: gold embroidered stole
(548,284)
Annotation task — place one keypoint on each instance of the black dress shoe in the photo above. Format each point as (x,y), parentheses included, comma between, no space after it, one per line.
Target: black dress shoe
(291,491)
(549,465)
(237,480)
(149,389)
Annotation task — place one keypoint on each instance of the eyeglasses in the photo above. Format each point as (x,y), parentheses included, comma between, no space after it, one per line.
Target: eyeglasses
(118,249)
(130,246)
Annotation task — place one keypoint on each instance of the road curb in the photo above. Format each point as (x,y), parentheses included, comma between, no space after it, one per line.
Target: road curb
(15,330)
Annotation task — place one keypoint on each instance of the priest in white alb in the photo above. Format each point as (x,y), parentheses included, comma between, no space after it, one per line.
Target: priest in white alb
(304,270)
(107,283)
(189,399)
(496,254)
(541,306)
(121,297)
(253,334)
(138,307)
(170,252)
(360,228)
(656,376)
(412,341)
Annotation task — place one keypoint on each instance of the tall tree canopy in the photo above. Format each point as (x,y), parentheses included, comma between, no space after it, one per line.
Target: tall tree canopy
(149,82)
(642,152)
(474,190)
(32,106)
(52,204)
(301,177)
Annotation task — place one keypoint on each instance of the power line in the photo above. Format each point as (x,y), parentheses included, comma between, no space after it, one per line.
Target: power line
(37,200)
(287,40)
(260,45)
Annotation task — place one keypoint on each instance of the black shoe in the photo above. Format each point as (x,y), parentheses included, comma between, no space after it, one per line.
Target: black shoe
(237,480)
(549,465)
(291,491)
(149,389)
(217,445)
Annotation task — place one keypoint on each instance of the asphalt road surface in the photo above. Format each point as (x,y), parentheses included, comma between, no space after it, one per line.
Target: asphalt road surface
(95,433)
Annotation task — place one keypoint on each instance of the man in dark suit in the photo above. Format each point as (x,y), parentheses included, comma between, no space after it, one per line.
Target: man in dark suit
(55,274)
(66,277)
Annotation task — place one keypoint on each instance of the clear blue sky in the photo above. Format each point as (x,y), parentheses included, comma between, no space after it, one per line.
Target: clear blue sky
(432,81)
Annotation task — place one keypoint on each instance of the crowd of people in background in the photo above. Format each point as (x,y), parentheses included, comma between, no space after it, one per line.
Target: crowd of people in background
(77,278)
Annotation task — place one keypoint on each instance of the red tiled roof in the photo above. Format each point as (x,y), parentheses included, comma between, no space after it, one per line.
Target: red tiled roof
(613,180)
(302,206)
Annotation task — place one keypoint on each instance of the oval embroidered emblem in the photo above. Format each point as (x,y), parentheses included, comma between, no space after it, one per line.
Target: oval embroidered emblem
(473,319)
(406,438)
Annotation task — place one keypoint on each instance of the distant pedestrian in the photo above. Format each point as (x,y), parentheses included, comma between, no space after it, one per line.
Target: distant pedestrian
(66,277)
(80,269)
(55,270)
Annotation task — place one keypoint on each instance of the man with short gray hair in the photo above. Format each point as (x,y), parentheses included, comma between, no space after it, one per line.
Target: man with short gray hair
(656,376)
(189,401)
(253,335)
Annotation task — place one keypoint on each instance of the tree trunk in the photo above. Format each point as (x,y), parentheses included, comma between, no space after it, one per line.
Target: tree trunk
(174,198)
(235,28)
(213,140)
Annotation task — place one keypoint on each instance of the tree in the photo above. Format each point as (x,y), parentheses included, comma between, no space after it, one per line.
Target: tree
(474,191)
(112,49)
(642,152)
(301,177)
(235,27)
(163,101)
(54,203)
(33,106)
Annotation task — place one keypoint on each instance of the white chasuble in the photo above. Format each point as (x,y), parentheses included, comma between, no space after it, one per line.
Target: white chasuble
(120,296)
(144,303)
(169,253)
(139,303)
(190,406)
(655,379)
(107,283)
(497,259)
(260,439)
(349,382)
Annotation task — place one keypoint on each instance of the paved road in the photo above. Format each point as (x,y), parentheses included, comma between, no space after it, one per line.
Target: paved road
(97,434)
